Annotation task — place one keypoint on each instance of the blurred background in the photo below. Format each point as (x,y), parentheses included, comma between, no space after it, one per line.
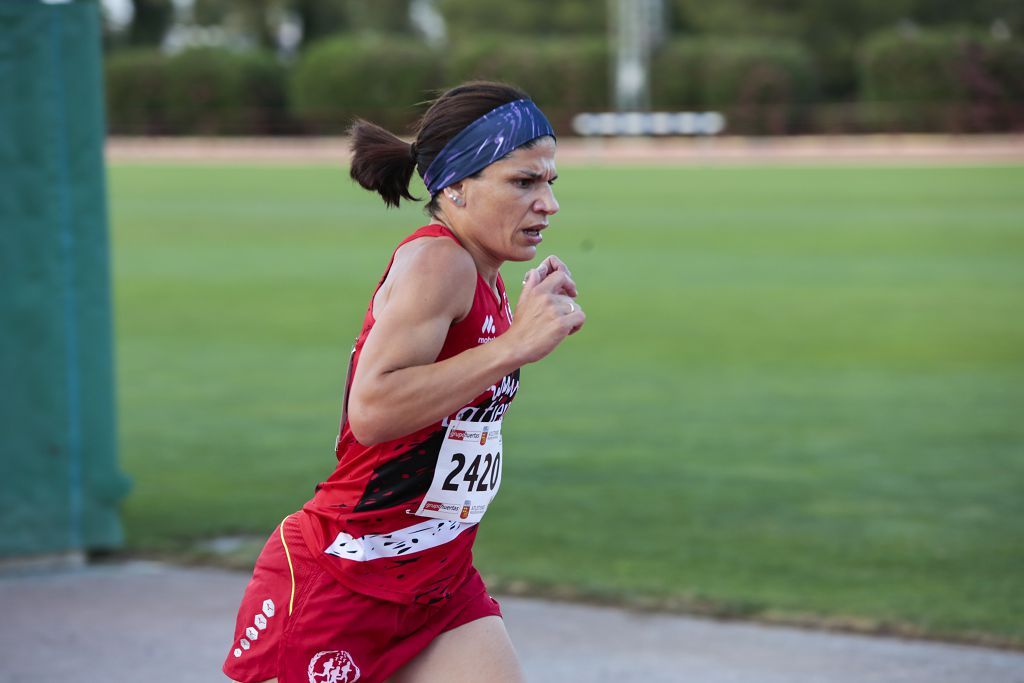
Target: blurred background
(798,396)
(781,67)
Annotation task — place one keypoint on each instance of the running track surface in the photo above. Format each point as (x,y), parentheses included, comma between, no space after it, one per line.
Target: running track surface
(814,150)
(142,621)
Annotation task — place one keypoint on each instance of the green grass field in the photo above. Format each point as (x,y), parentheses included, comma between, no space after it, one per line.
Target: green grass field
(800,391)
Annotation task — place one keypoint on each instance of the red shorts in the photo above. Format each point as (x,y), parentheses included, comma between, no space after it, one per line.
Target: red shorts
(298,624)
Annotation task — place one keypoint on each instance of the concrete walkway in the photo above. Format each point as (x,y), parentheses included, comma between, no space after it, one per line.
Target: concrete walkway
(143,621)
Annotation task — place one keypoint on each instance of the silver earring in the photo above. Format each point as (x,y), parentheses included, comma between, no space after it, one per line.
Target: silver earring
(455,199)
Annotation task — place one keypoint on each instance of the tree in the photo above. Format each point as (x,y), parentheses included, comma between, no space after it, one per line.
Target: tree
(259,19)
(834,31)
(381,16)
(321,18)
(831,30)
(525,17)
(150,21)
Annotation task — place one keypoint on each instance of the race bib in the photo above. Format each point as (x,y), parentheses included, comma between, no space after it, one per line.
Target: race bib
(468,472)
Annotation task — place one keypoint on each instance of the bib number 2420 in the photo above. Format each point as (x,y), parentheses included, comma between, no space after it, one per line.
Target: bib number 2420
(468,472)
(474,478)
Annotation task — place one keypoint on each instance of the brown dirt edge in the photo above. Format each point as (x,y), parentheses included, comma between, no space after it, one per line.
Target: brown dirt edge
(685,605)
(961,150)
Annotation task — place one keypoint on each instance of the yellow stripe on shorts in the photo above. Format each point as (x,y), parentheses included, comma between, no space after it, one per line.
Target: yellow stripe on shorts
(291,569)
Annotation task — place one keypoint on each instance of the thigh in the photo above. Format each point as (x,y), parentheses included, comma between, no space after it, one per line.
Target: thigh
(476,651)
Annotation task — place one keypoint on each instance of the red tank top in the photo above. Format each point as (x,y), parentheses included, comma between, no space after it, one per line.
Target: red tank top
(361,522)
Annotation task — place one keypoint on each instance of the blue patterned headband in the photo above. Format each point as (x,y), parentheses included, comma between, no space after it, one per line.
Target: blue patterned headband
(484,141)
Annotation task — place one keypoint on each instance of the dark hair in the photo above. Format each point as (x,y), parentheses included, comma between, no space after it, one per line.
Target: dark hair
(383,162)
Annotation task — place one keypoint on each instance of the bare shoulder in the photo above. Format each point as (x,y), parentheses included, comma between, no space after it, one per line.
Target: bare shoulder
(431,255)
(435,269)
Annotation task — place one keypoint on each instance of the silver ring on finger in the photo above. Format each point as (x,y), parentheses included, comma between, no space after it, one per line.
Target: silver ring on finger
(572,308)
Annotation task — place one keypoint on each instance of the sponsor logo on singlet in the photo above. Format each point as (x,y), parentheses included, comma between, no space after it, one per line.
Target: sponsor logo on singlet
(490,410)
(333,666)
(488,328)
(457,435)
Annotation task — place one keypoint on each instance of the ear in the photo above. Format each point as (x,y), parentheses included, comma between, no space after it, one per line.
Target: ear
(456,193)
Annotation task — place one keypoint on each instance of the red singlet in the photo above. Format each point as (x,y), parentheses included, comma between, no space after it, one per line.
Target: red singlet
(361,523)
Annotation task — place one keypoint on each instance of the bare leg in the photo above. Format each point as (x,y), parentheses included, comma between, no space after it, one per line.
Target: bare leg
(474,652)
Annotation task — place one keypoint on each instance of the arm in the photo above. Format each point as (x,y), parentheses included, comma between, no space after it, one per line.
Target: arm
(398,388)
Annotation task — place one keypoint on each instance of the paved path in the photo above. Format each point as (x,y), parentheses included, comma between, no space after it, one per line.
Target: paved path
(142,621)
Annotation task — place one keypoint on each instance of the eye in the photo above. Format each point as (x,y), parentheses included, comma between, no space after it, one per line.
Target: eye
(523,183)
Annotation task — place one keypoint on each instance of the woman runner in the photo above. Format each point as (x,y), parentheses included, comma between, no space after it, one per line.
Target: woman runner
(373,579)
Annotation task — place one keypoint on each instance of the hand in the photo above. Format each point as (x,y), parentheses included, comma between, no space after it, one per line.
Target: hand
(546,313)
(554,264)
(550,265)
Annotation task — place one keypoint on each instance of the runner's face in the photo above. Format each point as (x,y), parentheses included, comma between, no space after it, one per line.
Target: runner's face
(509,203)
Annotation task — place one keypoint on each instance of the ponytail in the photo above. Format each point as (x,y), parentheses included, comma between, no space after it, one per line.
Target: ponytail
(381,162)
(384,163)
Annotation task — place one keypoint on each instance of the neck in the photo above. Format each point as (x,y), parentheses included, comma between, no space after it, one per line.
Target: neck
(486,265)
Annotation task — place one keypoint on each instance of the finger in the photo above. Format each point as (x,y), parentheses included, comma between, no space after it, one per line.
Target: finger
(570,287)
(564,306)
(556,283)
(551,264)
(561,283)
(530,281)
(576,318)
(555,263)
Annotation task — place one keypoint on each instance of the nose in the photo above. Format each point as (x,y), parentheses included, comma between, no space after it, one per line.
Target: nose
(546,204)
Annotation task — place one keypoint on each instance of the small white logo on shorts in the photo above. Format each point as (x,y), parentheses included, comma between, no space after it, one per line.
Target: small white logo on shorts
(333,666)
(489,327)
(251,633)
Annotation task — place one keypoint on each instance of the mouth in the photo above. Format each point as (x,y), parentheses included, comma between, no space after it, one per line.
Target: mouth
(533,232)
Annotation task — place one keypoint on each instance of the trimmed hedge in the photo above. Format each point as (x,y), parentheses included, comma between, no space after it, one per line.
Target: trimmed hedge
(942,80)
(953,81)
(373,77)
(204,91)
(136,92)
(762,86)
(563,76)
(213,91)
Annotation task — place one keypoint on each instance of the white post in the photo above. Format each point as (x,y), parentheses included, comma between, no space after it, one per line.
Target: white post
(635,26)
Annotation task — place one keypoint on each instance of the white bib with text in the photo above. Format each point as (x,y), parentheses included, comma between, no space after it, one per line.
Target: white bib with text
(468,472)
